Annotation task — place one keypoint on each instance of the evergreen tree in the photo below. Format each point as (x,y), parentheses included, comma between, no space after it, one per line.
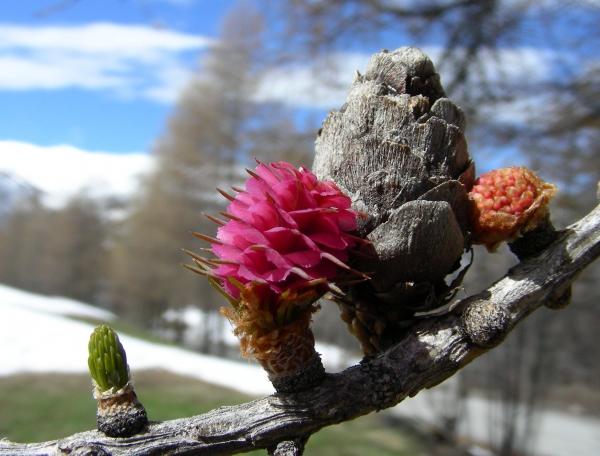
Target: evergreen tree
(216,130)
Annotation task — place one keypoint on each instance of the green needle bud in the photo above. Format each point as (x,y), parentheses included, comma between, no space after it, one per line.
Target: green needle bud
(120,413)
(107,359)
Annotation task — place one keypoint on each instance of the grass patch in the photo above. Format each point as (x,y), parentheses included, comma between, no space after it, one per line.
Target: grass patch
(37,408)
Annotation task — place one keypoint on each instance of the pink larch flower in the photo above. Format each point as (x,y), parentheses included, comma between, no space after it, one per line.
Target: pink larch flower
(284,247)
(286,229)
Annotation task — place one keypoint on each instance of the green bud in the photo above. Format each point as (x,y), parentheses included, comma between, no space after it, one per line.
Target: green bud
(107,359)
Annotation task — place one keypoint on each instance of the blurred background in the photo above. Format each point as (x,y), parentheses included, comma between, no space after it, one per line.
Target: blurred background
(120,117)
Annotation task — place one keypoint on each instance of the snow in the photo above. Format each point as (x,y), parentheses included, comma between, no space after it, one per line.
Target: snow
(559,433)
(62,170)
(37,336)
(54,305)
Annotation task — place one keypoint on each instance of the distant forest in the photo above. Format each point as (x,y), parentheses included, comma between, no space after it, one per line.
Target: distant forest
(125,255)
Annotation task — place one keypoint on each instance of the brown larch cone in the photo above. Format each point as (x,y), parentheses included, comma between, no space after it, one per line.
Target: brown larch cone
(397,148)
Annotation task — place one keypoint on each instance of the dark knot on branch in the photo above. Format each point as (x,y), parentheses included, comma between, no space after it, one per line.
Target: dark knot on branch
(485,324)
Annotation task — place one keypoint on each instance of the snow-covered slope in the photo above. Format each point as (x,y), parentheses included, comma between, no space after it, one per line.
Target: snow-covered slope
(37,336)
(61,171)
(12,190)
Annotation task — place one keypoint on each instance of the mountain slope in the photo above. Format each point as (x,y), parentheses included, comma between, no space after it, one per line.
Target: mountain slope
(36,335)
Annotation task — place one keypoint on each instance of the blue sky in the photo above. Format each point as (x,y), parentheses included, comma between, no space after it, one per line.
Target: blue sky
(99,75)
(102,76)
(86,90)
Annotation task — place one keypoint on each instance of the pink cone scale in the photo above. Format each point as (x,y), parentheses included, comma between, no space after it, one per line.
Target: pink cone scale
(509,202)
(286,240)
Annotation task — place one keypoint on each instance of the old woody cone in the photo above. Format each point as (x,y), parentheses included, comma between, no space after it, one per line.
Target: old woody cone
(397,148)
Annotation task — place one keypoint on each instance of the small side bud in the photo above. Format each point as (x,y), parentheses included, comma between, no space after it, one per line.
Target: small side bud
(107,360)
(120,414)
(508,203)
(485,324)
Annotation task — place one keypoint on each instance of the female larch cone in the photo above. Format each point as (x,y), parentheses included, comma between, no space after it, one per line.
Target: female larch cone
(397,148)
(120,413)
(285,245)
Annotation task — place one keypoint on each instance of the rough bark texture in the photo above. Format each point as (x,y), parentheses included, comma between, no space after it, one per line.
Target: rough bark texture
(432,351)
(428,350)
(397,148)
(120,414)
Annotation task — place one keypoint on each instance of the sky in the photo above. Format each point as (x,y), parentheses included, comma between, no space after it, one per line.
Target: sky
(99,79)
(86,87)
(98,75)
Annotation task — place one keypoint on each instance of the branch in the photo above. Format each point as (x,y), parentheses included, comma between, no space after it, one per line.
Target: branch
(397,133)
(433,351)
(55,8)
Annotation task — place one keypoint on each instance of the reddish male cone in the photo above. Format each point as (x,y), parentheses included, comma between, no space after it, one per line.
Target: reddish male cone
(509,202)
(284,246)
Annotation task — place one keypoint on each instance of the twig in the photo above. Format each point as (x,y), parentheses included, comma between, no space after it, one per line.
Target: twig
(433,351)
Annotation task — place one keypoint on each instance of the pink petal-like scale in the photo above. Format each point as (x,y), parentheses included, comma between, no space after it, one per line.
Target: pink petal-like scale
(287,231)
(240,234)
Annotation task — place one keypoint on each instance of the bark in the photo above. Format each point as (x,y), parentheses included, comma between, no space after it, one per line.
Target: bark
(432,351)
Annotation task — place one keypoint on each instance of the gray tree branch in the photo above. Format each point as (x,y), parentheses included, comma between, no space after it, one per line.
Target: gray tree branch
(398,108)
(434,350)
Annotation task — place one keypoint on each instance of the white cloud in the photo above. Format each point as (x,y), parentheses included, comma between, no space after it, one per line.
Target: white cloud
(130,60)
(61,171)
(170,83)
(303,86)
